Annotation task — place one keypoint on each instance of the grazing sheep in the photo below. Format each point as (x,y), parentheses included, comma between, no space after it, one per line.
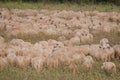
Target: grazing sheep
(109,66)
(88,62)
(37,63)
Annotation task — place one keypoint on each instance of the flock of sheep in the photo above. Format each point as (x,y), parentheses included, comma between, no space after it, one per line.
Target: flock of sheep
(79,26)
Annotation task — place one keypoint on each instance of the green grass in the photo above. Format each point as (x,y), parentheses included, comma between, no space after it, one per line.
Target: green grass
(60,73)
(113,37)
(64,6)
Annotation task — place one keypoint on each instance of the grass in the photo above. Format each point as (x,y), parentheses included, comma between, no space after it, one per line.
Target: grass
(58,6)
(60,73)
(113,37)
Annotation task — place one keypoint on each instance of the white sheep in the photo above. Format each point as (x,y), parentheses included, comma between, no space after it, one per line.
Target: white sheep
(109,66)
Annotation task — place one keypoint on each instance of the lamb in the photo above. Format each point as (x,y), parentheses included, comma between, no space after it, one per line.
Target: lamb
(109,66)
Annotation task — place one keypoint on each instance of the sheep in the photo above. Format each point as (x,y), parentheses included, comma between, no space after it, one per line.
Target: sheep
(117,51)
(110,51)
(109,66)
(88,62)
(16,42)
(93,49)
(6,14)
(11,58)
(84,38)
(107,53)
(84,49)
(78,57)
(22,61)
(104,41)
(67,43)
(37,63)
(75,40)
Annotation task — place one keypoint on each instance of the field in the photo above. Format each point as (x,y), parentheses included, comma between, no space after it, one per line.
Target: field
(25,13)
